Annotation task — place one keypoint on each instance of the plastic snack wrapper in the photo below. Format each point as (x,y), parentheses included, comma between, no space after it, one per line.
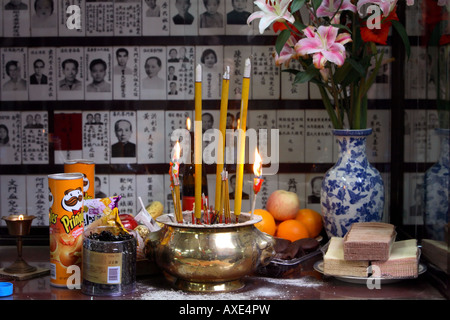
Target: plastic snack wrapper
(105,212)
(147,225)
(140,233)
(94,209)
(146,219)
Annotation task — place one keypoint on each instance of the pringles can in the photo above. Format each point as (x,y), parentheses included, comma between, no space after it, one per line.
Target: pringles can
(66,220)
(87,168)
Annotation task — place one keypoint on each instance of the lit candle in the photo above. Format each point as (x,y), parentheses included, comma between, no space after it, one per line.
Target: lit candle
(188,124)
(18,225)
(191,137)
(191,146)
(241,139)
(175,174)
(198,142)
(257,180)
(222,129)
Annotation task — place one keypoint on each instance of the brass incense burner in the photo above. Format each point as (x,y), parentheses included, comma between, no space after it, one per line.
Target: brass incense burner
(19,226)
(211,258)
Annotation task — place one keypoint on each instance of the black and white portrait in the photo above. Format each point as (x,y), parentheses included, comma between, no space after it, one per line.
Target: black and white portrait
(126,73)
(123,130)
(42,71)
(315,188)
(98,73)
(15,82)
(153,73)
(212,16)
(38,77)
(183,17)
(44,18)
(211,60)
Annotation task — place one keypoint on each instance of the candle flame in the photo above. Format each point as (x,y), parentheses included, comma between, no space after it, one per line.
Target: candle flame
(21,217)
(188,124)
(257,165)
(177,151)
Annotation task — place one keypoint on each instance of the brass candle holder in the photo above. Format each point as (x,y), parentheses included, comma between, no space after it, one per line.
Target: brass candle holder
(19,226)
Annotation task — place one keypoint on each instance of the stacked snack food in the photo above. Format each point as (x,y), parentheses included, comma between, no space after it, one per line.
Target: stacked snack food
(373,245)
(334,263)
(369,241)
(105,212)
(402,262)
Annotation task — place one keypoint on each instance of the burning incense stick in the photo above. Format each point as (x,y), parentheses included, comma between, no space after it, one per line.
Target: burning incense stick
(198,142)
(222,127)
(241,140)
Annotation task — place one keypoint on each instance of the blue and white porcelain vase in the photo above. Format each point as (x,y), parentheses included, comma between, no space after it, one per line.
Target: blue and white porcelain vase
(352,190)
(437,191)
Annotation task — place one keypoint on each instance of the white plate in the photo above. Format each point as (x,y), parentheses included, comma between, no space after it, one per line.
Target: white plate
(318,266)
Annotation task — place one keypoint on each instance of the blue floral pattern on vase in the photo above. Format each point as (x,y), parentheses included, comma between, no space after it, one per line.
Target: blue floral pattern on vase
(437,187)
(352,190)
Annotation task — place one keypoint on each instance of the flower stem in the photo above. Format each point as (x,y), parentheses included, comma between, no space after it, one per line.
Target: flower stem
(291,30)
(329,107)
(335,93)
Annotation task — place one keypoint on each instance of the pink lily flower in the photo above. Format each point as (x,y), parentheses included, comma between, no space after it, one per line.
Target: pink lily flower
(444,3)
(328,7)
(386,6)
(287,53)
(324,44)
(271,11)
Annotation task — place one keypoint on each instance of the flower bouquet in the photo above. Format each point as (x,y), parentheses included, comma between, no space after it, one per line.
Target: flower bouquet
(336,48)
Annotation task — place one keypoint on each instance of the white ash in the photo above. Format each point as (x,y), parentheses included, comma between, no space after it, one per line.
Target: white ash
(265,290)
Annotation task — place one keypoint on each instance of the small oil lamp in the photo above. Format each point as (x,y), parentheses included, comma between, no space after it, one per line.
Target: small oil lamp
(19,226)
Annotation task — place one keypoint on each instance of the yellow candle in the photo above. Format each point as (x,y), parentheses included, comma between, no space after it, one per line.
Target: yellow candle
(241,139)
(222,129)
(198,142)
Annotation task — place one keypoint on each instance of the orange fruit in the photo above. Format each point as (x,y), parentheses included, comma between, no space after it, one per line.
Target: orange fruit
(267,224)
(292,230)
(312,221)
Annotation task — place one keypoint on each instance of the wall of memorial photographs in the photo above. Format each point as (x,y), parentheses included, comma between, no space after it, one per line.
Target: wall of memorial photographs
(422,146)
(111,58)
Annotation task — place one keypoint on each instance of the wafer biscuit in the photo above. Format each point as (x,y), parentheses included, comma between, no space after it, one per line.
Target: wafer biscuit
(369,241)
(334,263)
(402,263)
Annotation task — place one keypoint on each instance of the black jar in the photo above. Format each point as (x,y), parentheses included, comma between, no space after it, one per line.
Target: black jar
(109,266)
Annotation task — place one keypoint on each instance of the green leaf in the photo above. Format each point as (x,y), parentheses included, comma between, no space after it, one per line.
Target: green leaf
(329,107)
(341,73)
(352,76)
(281,40)
(436,34)
(293,71)
(372,76)
(341,26)
(305,76)
(403,35)
(357,66)
(299,26)
(316,4)
(296,5)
